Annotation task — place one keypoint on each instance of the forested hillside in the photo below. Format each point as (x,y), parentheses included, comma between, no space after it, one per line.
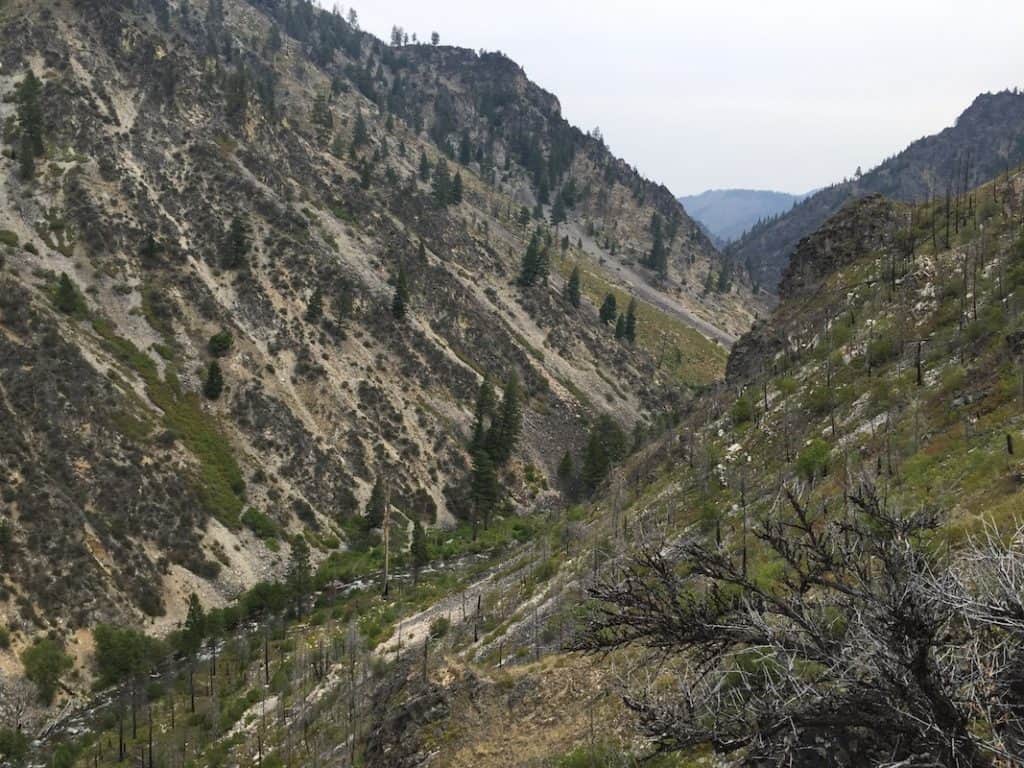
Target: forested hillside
(729,213)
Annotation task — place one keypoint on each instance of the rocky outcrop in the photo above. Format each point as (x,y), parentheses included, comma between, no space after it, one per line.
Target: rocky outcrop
(750,356)
(861,227)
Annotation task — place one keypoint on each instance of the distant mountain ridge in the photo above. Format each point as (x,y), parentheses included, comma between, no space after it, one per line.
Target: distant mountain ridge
(726,214)
(986,140)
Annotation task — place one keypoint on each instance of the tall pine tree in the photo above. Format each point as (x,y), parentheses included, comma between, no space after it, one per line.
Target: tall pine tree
(194,629)
(505,430)
(30,115)
(572,287)
(400,300)
(374,517)
(418,550)
(214,384)
(532,264)
(236,244)
(484,412)
(608,310)
(442,183)
(484,488)
(630,327)
(299,575)
(315,308)
(657,259)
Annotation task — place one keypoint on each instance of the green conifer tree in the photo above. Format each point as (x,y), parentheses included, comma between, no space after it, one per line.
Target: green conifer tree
(629,332)
(26,160)
(530,268)
(608,310)
(68,300)
(194,629)
(442,183)
(565,469)
(315,308)
(236,244)
(323,118)
(214,384)
(400,299)
(30,115)
(484,488)
(456,191)
(374,517)
(657,259)
(507,425)
(484,412)
(544,263)
(558,211)
(620,326)
(606,446)
(709,282)
(360,133)
(572,287)
(299,575)
(418,550)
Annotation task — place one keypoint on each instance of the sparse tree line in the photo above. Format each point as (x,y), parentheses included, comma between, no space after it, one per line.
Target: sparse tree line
(535,268)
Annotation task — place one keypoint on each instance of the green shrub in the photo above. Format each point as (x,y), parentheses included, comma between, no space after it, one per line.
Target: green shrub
(13,745)
(45,663)
(813,460)
(220,343)
(123,653)
(5,638)
(66,296)
(882,348)
(64,756)
(439,627)
(841,333)
(787,385)
(821,400)
(260,524)
(220,483)
(8,238)
(595,756)
(742,411)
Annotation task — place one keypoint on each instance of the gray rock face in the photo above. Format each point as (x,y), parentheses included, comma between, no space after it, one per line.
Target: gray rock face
(862,226)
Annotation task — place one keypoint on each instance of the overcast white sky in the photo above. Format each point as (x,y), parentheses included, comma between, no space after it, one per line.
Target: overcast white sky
(776,94)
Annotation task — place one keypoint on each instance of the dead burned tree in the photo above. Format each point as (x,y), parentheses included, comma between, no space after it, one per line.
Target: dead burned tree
(985,588)
(836,648)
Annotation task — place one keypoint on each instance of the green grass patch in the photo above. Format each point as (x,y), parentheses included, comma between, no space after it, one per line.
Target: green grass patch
(219,483)
(679,350)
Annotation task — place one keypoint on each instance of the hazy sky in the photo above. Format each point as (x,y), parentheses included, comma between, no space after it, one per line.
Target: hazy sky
(780,94)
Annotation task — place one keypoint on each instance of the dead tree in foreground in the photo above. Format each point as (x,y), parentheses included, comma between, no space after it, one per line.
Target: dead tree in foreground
(849,641)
